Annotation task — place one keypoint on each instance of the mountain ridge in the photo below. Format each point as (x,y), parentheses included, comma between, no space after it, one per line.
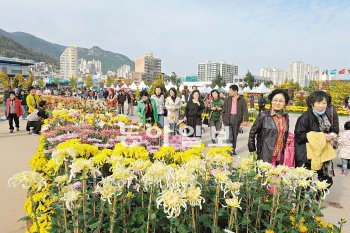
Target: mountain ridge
(110,60)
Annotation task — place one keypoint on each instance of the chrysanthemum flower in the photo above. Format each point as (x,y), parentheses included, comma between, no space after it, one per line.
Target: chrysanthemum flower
(172,201)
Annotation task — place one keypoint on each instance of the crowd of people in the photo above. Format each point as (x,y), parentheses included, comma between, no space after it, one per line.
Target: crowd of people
(316,136)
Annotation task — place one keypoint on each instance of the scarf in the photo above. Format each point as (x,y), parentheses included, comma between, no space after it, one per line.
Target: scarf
(324,122)
(173,98)
(148,107)
(281,124)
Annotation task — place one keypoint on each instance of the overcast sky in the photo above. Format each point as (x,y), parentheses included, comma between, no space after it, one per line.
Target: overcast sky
(183,33)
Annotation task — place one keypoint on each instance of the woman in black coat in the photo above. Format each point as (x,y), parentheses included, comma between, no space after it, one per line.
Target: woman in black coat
(270,129)
(320,117)
(193,113)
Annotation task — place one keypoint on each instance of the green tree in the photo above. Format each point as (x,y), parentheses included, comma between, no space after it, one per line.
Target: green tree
(218,81)
(17,80)
(56,80)
(174,79)
(158,82)
(137,94)
(268,83)
(72,81)
(41,83)
(4,79)
(88,81)
(110,81)
(102,83)
(249,79)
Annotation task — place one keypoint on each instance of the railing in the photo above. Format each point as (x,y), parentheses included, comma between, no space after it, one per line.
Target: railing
(16,60)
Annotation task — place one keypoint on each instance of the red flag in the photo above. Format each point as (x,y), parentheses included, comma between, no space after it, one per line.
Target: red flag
(342,71)
(323,72)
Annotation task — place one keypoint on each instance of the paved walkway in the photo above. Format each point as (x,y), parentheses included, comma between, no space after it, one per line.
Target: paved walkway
(19,147)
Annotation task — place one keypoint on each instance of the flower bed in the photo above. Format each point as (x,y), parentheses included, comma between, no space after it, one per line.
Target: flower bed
(85,180)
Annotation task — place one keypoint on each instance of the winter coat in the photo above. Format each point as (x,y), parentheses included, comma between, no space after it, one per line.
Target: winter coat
(344,144)
(159,103)
(32,102)
(308,122)
(18,107)
(242,110)
(173,115)
(141,110)
(265,132)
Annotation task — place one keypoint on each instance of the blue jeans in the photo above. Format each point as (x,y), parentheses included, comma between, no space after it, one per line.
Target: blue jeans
(161,120)
(4,108)
(344,165)
(24,115)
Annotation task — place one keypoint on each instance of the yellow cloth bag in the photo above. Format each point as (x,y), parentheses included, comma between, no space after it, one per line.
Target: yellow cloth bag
(318,150)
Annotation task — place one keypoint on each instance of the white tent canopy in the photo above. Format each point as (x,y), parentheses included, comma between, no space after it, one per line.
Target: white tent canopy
(216,87)
(142,85)
(117,87)
(181,87)
(169,85)
(247,89)
(125,86)
(133,86)
(262,89)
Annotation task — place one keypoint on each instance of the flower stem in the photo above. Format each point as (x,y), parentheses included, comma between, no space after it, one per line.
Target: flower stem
(216,210)
(194,220)
(100,217)
(149,210)
(236,219)
(84,201)
(113,214)
(230,222)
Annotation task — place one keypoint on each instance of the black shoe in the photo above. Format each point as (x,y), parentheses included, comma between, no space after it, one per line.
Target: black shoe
(11,130)
(17,129)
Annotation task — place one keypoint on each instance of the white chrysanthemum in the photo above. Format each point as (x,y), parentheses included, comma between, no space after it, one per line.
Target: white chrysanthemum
(193,195)
(29,180)
(303,183)
(107,188)
(195,165)
(263,166)
(233,188)
(156,174)
(245,165)
(140,165)
(172,201)
(123,176)
(233,202)
(221,176)
(182,177)
(69,197)
(82,165)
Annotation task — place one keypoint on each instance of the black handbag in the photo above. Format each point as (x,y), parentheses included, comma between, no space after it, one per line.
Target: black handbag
(165,112)
(206,121)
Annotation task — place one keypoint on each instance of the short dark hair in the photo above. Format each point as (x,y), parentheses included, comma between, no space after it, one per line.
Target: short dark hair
(161,91)
(192,94)
(12,92)
(211,93)
(144,93)
(31,88)
(174,90)
(347,125)
(318,96)
(279,91)
(234,87)
(42,103)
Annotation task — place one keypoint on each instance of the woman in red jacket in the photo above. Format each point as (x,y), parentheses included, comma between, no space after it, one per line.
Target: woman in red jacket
(14,111)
